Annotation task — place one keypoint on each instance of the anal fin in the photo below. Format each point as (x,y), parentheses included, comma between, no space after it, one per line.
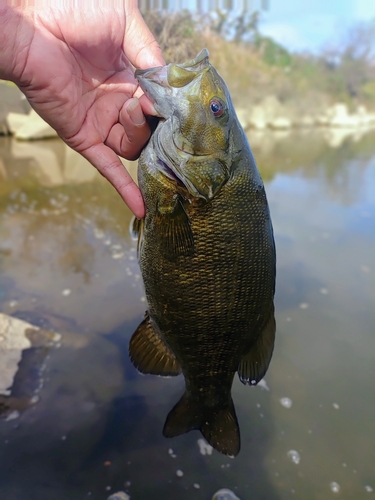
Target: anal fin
(254,364)
(150,354)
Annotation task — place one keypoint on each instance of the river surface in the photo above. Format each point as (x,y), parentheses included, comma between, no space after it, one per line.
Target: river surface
(68,263)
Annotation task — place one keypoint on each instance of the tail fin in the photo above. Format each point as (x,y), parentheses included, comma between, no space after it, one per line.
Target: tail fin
(218,425)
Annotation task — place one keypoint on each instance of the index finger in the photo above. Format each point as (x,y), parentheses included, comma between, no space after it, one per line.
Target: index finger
(109,165)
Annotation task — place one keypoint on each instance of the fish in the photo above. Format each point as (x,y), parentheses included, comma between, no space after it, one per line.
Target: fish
(206,252)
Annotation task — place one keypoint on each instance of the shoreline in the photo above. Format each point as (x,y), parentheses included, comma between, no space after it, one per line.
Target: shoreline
(272,114)
(19,120)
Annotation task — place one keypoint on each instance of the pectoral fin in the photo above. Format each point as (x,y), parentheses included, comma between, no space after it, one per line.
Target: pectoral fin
(175,231)
(254,364)
(137,232)
(150,354)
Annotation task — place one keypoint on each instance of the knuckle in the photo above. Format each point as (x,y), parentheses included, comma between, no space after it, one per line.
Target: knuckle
(109,168)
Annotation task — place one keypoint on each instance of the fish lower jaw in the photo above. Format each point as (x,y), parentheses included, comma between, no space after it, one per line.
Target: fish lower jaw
(169,172)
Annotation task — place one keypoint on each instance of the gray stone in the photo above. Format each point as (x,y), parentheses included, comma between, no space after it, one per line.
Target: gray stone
(243,116)
(280,123)
(270,113)
(306,121)
(11,100)
(12,342)
(120,495)
(29,127)
(272,107)
(338,116)
(17,335)
(225,494)
(258,118)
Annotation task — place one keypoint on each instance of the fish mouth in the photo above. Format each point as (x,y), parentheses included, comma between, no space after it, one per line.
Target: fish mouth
(154,83)
(170,173)
(158,75)
(161,84)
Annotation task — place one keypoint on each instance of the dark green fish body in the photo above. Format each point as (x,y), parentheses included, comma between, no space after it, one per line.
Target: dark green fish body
(206,252)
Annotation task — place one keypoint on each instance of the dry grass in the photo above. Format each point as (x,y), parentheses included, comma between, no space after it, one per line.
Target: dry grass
(248,77)
(176,34)
(302,84)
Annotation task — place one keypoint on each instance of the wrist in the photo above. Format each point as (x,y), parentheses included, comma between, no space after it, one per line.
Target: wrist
(15,36)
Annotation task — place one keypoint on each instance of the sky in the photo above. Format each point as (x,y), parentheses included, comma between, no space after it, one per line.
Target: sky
(310,25)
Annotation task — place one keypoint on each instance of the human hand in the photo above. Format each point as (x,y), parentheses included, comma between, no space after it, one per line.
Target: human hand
(74,68)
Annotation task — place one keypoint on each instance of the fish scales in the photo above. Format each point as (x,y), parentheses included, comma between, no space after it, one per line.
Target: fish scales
(206,253)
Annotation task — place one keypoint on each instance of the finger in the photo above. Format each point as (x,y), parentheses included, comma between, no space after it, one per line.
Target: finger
(110,166)
(128,137)
(147,106)
(140,46)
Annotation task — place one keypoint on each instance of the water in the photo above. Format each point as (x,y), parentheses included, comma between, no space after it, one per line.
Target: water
(68,263)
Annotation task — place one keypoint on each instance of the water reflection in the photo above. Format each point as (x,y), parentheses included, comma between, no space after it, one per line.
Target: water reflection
(67,263)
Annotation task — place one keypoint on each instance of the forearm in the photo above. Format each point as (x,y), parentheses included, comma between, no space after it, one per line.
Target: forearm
(15,35)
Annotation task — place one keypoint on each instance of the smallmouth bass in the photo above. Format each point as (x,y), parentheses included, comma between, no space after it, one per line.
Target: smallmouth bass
(206,252)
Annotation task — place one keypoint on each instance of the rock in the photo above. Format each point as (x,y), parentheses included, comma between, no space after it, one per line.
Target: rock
(225,494)
(29,127)
(322,120)
(272,107)
(306,121)
(361,110)
(16,121)
(338,116)
(270,113)
(258,118)
(280,123)
(367,119)
(12,342)
(120,495)
(15,336)
(243,116)
(11,100)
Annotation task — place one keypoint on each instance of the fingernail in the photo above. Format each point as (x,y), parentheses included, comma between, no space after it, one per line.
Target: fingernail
(135,112)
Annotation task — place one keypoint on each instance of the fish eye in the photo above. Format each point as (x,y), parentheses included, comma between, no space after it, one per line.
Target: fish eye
(217,107)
